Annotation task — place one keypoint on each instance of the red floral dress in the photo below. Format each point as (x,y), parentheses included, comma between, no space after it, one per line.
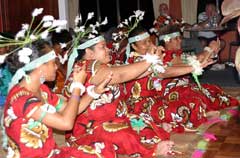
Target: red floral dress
(30,138)
(212,97)
(143,98)
(107,119)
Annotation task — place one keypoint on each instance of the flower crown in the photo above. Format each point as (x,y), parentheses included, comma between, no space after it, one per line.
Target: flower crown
(86,30)
(28,35)
(126,27)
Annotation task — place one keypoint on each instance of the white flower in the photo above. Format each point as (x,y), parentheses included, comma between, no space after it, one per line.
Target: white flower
(24,55)
(77,19)
(82,28)
(192,60)
(44,34)
(97,24)
(2,58)
(90,36)
(120,25)
(90,16)
(63,59)
(47,24)
(20,34)
(166,38)
(25,26)
(116,46)
(166,22)
(105,21)
(23,58)
(154,59)
(125,22)
(158,68)
(48,18)
(139,14)
(33,37)
(37,11)
(63,45)
(57,23)
(58,29)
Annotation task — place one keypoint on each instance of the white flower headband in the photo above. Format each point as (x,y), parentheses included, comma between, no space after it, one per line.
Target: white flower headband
(167,37)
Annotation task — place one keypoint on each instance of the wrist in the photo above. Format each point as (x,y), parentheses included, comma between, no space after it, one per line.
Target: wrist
(208,49)
(92,93)
(78,85)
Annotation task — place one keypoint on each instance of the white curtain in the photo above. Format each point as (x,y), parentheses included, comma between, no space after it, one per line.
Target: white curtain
(73,6)
(156,6)
(189,11)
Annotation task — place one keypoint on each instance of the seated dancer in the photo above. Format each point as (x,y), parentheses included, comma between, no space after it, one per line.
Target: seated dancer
(212,97)
(32,111)
(106,118)
(142,93)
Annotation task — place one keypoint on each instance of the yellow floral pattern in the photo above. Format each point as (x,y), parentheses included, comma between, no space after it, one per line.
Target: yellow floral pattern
(114,127)
(136,90)
(35,137)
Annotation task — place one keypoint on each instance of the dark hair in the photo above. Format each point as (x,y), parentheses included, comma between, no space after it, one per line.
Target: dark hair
(61,37)
(81,52)
(167,30)
(39,48)
(138,30)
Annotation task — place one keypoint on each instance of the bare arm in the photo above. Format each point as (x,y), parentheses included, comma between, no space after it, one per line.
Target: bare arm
(63,120)
(121,73)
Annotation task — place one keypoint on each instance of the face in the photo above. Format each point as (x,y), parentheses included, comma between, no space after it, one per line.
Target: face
(163,9)
(210,10)
(49,70)
(142,46)
(174,43)
(101,52)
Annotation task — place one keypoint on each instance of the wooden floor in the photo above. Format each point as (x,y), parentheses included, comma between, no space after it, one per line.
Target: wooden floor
(227,144)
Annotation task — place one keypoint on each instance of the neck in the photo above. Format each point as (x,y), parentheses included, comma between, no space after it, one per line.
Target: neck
(33,86)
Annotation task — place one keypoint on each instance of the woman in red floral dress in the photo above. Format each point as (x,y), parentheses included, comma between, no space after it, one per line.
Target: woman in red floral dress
(107,117)
(143,93)
(32,111)
(212,96)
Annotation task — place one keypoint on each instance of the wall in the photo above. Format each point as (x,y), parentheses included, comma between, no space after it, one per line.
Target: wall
(16,12)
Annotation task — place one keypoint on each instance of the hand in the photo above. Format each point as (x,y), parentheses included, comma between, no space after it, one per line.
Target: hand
(207,62)
(152,49)
(159,52)
(215,46)
(79,74)
(101,87)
